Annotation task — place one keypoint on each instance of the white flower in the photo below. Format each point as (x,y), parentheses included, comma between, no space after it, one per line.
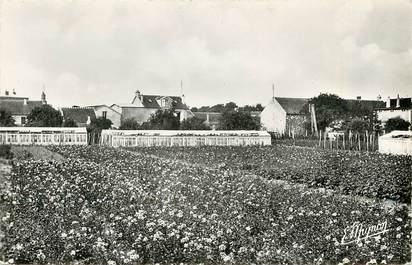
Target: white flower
(111,262)
(345,260)
(63,235)
(222,247)
(72,252)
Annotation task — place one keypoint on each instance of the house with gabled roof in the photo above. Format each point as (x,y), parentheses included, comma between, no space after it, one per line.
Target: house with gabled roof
(20,107)
(285,115)
(82,116)
(395,107)
(143,106)
(109,113)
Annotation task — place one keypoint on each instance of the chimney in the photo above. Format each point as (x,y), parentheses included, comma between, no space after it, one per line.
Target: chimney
(6,92)
(25,101)
(398,102)
(388,103)
(14,92)
(139,95)
(358,97)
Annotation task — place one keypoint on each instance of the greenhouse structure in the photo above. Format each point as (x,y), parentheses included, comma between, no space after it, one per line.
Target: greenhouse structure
(43,136)
(130,138)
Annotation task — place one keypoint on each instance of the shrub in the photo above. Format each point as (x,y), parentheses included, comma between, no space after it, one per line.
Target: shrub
(5,151)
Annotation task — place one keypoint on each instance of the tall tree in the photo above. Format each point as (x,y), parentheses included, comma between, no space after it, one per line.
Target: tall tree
(6,120)
(44,116)
(238,120)
(329,107)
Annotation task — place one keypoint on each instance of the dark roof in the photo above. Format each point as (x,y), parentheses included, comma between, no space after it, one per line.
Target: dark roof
(213,116)
(150,101)
(405,103)
(293,105)
(369,105)
(12,98)
(17,107)
(79,115)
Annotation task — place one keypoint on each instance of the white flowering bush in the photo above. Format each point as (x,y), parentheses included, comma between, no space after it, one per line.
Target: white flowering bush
(349,172)
(112,206)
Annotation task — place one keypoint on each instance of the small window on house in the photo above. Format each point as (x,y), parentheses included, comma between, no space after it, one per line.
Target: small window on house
(104,114)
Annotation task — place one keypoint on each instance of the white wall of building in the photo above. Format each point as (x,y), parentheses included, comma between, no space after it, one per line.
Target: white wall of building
(273,117)
(385,115)
(20,120)
(111,114)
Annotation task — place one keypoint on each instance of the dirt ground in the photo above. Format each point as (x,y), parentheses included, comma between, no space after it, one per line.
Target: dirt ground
(34,152)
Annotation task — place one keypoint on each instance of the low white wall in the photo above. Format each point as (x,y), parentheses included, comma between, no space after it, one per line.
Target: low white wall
(396,142)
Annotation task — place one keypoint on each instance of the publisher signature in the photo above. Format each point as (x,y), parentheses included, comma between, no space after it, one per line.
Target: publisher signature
(357,232)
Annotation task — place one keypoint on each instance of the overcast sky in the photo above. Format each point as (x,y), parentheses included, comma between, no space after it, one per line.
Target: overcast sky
(100,52)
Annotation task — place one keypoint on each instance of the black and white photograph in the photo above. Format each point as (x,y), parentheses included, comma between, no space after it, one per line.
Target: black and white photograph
(189,132)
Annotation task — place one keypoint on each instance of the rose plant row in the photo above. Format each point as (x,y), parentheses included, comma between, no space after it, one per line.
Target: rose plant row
(349,172)
(112,206)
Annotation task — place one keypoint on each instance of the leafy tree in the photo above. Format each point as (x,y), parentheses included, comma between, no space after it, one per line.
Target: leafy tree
(230,106)
(194,123)
(162,120)
(69,123)
(129,124)
(44,116)
(397,124)
(359,125)
(99,124)
(329,107)
(238,120)
(6,120)
(217,108)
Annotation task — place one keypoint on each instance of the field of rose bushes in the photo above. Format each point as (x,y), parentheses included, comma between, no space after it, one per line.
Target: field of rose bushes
(113,206)
(370,174)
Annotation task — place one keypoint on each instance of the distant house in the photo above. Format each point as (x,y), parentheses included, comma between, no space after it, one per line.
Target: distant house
(211,118)
(289,115)
(395,107)
(108,113)
(82,116)
(142,106)
(20,107)
(285,115)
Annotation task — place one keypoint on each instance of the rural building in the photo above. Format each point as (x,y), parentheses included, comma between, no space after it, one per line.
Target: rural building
(142,106)
(20,107)
(82,116)
(395,107)
(108,113)
(285,115)
(211,118)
